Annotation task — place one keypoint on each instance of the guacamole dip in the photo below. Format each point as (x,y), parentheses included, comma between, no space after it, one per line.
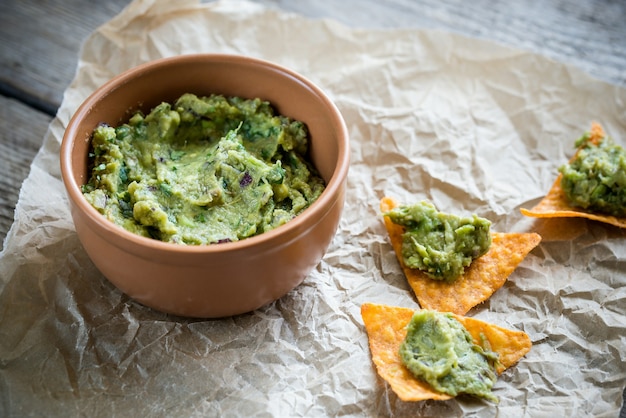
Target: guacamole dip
(202,170)
(440,244)
(439,350)
(595,179)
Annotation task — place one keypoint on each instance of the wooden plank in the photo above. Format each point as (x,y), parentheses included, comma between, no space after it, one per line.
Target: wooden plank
(40,43)
(21,133)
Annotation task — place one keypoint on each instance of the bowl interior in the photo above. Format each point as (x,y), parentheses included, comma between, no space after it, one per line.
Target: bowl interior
(146,86)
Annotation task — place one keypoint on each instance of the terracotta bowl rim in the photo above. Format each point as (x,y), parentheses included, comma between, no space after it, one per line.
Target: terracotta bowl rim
(288,231)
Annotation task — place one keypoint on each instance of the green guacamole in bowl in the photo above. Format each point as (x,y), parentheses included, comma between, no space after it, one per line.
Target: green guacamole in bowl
(202,170)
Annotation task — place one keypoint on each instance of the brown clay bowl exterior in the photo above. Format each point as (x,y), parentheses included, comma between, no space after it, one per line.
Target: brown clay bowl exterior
(213,280)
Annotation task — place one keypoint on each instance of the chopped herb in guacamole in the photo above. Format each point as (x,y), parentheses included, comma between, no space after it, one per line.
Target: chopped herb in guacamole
(595,179)
(440,351)
(202,170)
(440,244)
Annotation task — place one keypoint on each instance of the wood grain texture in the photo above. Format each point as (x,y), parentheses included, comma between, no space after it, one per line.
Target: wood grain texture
(21,135)
(40,43)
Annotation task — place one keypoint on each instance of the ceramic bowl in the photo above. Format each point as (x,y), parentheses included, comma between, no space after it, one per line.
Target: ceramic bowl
(218,280)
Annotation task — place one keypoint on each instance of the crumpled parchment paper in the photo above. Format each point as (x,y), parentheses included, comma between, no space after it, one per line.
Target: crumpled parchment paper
(470,125)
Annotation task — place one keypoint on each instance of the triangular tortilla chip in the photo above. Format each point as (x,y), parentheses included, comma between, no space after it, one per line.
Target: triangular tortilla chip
(555,204)
(481,279)
(386,329)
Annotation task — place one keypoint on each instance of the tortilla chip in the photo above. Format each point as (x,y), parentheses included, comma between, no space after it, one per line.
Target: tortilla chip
(386,329)
(556,205)
(480,280)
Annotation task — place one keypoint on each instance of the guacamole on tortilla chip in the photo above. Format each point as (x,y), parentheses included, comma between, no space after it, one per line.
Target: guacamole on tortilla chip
(440,244)
(387,328)
(478,281)
(592,185)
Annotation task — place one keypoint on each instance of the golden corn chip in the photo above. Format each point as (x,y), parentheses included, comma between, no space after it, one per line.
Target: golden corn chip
(480,280)
(555,204)
(386,329)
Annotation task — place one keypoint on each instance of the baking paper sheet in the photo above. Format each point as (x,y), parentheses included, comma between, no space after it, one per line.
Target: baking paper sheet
(470,125)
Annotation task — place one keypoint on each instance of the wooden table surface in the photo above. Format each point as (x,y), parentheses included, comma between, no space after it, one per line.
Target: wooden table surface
(40,43)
